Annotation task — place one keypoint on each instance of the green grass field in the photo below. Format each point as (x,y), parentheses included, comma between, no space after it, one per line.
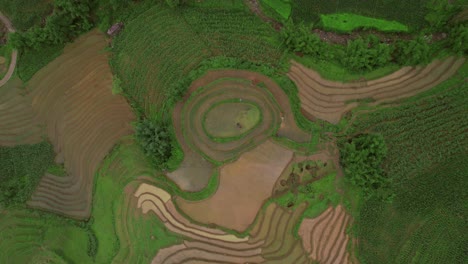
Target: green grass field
(348,22)
(410,13)
(426,139)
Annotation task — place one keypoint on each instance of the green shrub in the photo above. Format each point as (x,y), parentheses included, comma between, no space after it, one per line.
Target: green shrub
(439,13)
(412,52)
(155,140)
(458,39)
(69,19)
(366,54)
(362,158)
(298,38)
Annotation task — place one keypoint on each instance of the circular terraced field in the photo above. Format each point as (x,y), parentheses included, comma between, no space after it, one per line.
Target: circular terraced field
(231,119)
(220,110)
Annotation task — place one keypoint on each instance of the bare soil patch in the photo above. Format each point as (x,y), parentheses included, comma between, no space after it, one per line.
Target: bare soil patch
(244,185)
(72,96)
(329,100)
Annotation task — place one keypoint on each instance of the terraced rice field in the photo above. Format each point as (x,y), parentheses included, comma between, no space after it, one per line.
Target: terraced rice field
(328,100)
(243,187)
(217,86)
(271,239)
(18,124)
(72,96)
(325,238)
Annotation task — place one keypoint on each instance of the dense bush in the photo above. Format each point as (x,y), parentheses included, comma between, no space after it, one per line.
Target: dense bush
(155,140)
(412,52)
(298,38)
(21,168)
(458,39)
(366,54)
(69,19)
(439,13)
(362,158)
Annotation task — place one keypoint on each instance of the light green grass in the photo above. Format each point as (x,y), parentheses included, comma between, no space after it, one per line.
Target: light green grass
(347,22)
(221,119)
(29,236)
(282,7)
(332,71)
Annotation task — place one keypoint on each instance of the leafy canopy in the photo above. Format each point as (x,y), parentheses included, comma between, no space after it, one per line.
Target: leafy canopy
(155,140)
(362,157)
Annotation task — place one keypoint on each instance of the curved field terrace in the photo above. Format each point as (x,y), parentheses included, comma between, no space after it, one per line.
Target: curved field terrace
(203,132)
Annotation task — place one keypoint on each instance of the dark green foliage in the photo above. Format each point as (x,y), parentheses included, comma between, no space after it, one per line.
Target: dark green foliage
(108,11)
(69,19)
(92,242)
(155,140)
(30,61)
(21,168)
(439,13)
(458,39)
(362,158)
(412,52)
(366,54)
(298,38)
(26,13)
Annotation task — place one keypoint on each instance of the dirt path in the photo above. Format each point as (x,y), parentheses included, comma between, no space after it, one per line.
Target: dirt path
(14,54)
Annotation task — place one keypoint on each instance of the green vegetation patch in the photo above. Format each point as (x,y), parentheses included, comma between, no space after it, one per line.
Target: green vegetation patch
(30,236)
(229,120)
(347,22)
(151,60)
(282,7)
(21,168)
(426,223)
(31,61)
(426,161)
(26,13)
(410,13)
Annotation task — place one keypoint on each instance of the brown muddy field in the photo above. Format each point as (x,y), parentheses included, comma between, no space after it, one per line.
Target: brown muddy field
(243,187)
(72,96)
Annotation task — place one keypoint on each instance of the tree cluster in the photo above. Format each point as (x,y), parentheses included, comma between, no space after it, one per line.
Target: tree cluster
(366,54)
(155,140)
(68,20)
(299,39)
(362,158)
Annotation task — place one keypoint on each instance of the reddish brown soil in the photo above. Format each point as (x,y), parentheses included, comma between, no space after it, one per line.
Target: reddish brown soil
(329,100)
(324,237)
(72,96)
(244,185)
